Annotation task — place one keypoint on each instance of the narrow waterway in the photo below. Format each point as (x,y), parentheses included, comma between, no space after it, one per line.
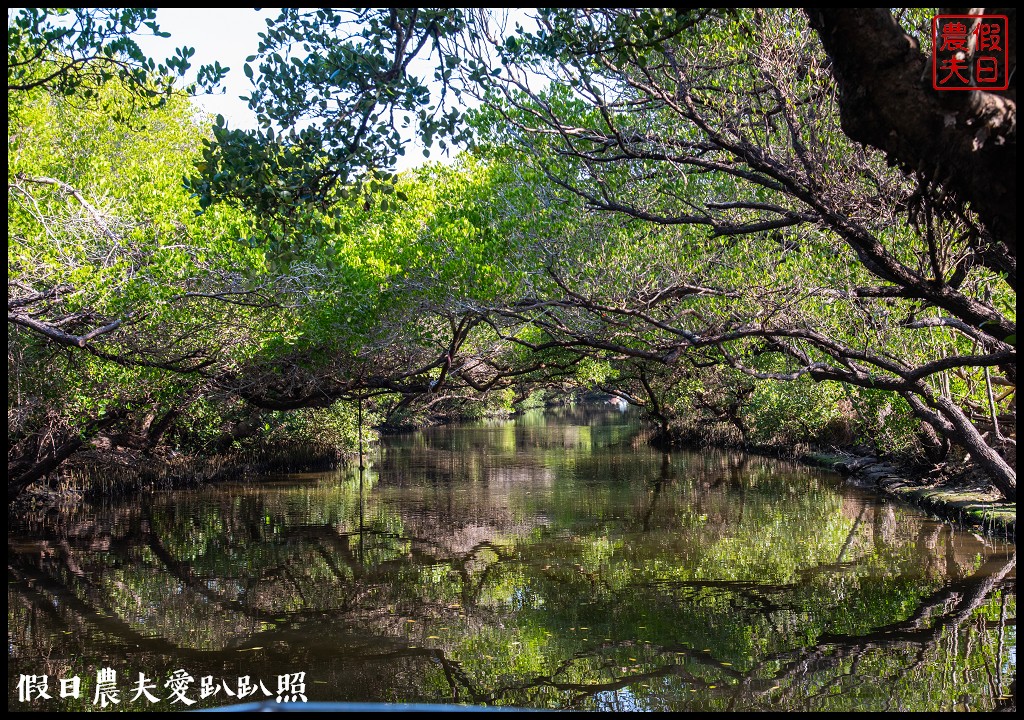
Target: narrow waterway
(550,561)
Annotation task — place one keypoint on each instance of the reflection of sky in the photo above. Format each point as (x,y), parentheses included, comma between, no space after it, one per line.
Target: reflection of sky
(621,701)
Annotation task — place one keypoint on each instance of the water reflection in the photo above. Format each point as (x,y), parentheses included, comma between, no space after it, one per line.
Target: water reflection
(554,561)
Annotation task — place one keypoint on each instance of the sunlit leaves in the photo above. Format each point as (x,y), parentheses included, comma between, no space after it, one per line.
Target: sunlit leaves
(76,51)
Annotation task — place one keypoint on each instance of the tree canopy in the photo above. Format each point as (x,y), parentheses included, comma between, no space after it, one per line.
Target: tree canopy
(716,215)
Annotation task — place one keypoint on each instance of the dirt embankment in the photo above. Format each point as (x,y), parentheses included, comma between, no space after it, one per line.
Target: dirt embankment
(963,498)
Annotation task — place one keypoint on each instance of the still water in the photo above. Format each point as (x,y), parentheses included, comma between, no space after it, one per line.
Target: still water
(551,561)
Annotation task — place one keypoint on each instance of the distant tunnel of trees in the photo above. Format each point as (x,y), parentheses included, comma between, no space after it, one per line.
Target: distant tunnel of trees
(762,226)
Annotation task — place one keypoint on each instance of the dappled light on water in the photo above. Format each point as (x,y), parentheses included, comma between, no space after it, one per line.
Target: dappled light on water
(546,562)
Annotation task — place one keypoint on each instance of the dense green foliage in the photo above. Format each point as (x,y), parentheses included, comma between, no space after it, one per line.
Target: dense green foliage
(74,52)
(661,206)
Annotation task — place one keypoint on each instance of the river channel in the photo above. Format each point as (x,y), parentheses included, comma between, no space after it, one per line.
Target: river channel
(554,560)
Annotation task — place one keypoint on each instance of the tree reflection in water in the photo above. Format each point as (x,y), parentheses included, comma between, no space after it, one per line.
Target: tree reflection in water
(547,562)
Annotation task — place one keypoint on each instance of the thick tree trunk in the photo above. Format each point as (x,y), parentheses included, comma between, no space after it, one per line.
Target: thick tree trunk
(999,471)
(965,142)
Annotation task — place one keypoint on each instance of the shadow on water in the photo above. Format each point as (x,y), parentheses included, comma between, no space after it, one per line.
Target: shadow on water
(553,561)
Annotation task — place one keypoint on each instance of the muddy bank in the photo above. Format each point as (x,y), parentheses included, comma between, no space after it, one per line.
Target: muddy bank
(116,473)
(963,498)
